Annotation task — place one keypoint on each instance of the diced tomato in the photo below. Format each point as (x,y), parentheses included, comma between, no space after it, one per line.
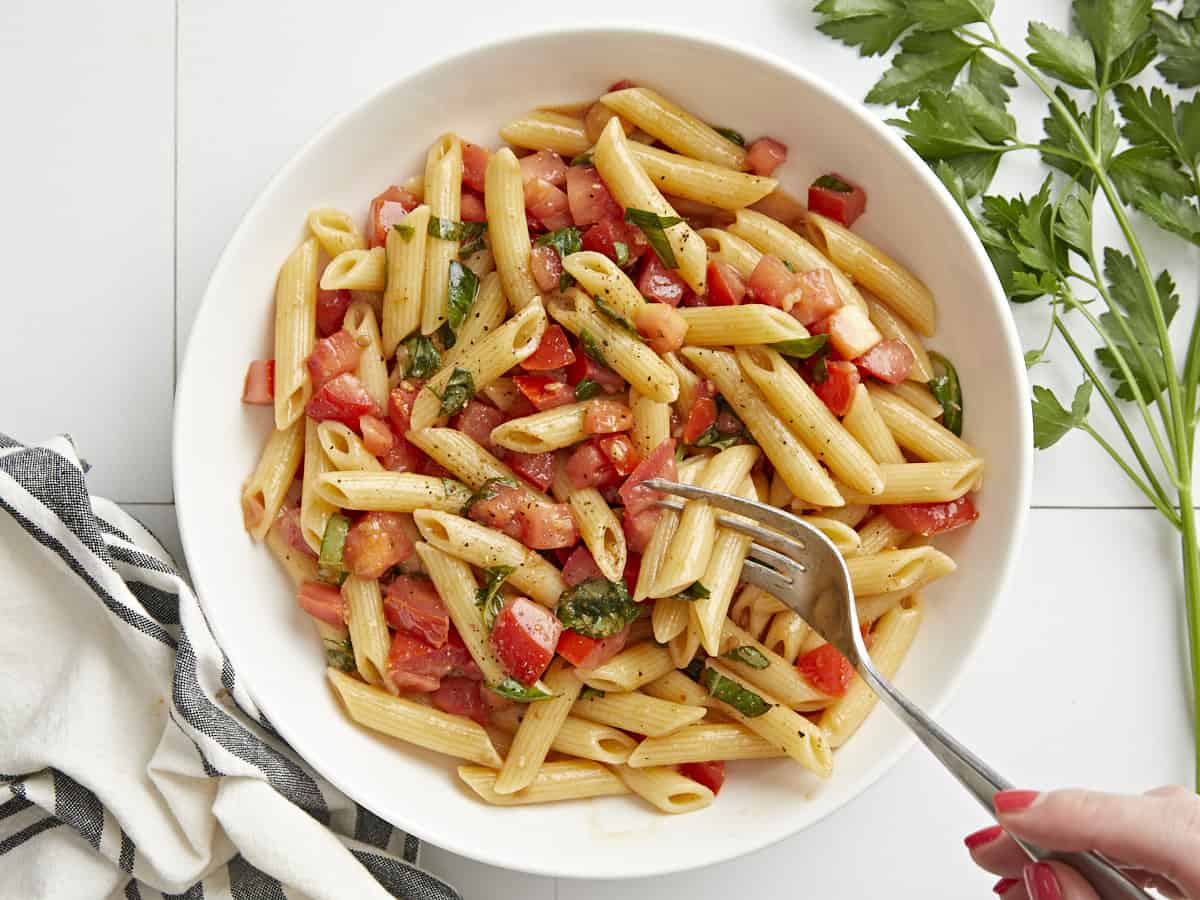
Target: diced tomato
(711,774)
(766,155)
(536,468)
(414,665)
(332,356)
(659,464)
(500,510)
(728,423)
(288,519)
(604,236)
(553,351)
(259,386)
(851,333)
(403,457)
(773,283)
(545,526)
(826,669)
(323,602)
(621,85)
(343,399)
(461,697)
(544,392)
(589,198)
(412,604)
(477,421)
(840,205)
(525,635)
(547,204)
(657,282)
(662,327)
(375,543)
(377,435)
(546,266)
(331,310)
(586,368)
(837,390)
(890,361)
(472,208)
(639,528)
(579,567)
(475,161)
(932,518)
(703,413)
(400,404)
(386,210)
(620,452)
(546,165)
(725,284)
(633,568)
(589,467)
(588,653)
(607,417)
(818,296)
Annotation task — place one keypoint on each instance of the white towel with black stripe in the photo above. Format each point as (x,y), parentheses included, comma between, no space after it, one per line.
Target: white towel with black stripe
(135,764)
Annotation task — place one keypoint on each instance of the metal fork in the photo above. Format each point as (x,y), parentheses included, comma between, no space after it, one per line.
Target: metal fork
(799,565)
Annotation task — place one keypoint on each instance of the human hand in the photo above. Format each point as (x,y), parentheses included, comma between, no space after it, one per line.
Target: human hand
(1154,838)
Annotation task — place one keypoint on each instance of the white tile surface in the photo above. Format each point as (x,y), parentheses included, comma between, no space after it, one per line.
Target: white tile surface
(87,160)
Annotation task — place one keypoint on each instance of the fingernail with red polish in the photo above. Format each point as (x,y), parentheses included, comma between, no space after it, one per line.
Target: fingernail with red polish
(1013,801)
(1004,884)
(982,836)
(1041,883)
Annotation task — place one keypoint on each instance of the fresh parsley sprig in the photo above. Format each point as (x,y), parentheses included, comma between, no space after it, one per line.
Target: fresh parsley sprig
(1113,146)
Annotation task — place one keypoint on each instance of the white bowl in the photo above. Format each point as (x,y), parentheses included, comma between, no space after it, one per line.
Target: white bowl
(251,605)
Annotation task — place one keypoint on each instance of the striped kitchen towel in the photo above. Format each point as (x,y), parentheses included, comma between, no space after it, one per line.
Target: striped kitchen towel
(136,763)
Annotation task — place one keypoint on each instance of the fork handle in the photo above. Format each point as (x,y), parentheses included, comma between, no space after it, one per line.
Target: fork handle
(983,783)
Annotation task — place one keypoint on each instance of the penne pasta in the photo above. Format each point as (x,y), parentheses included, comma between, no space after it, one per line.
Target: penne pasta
(638,712)
(465,459)
(368,629)
(483,318)
(929,482)
(601,532)
(633,667)
(675,127)
(508,229)
(314,509)
(356,270)
(550,429)
(568,779)
(537,731)
(391,491)
(701,743)
(335,231)
(731,250)
(666,789)
(578,737)
(778,678)
(916,432)
(651,423)
(891,326)
(295,331)
(753,323)
(548,130)
(344,449)
(456,585)
(721,578)
(600,277)
(917,395)
(372,369)
(879,534)
(405,252)
(863,422)
(695,179)
(443,196)
(264,490)
(897,570)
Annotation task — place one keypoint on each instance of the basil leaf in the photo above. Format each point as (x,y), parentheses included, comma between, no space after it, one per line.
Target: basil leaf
(730,135)
(583,159)
(694,591)
(486,491)
(566,240)
(464,287)
(333,542)
(946,390)
(833,183)
(459,389)
(654,227)
(592,347)
(615,317)
(714,438)
(622,250)
(589,691)
(488,598)
(340,655)
(587,389)
(820,369)
(747,655)
(514,690)
(450,230)
(445,334)
(405,231)
(789,265)
(801,348)
(694,669)
(423,357)
(597,608)
(748,703)
(472,247)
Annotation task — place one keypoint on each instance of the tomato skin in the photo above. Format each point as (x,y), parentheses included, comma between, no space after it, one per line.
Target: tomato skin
(477,421)
(553,351)
(851,333)
(386,210)
(588,197)
(826,669)
(639,528)
(620,452)
(839,206)
(579,566)
(586,367)
(773,283)
(607,417)
(703,413)
(818,296)
(544,392)
(726,286)
(461,697)
(766,155)
(547,526)
(711,774)
(331,357)
(525,635)
(659,464)
(331,310)
(588,466)
(475,160)
(837,390)
(536,468)
(658,283)
(323,602)
(400,404)
(584,652)
(259,387)
(608,232)
(343,399)
(546,165)
(377,435)
(547,204)
(472,208)
(932,518)
(413,604)
(890,361)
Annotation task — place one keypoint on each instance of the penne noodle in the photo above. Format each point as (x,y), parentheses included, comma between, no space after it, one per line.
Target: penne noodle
(721,578)
(927,482)
(752,323)
(600,277)
(666,789)
(568,779)
(577,737)
(891,326)
(344,449)
(508,229)
(778,678)
(456,585)
(840,534)
(651,423)
(483,318)
(638,712)
(701,743)
(863,422)
(314,509)
(916,432)
(675,127)
(356,270)
(656,549)
(917,395)
(731,250)
(676,687)
(335,231)
(550,429)
(537,731)
(878,534)
(897,570)
(601,532)
(264,490)
(372,370)
(368,630)
(548,130)
(391,491)
(704,182)
(465,459)
(443,196)
(405,251)
(295,332)
(633,667)
(299,566)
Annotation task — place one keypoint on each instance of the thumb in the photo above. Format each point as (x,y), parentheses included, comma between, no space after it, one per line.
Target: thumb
(1159,832)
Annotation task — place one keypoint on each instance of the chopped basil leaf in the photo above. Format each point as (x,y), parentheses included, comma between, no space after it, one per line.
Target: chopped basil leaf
(472,247)
(450,230)
(566,240)
(789,265)
(445,334)
(589,691)
(680,452)
(488,598)
(459,389)
(820,368)
(833,183)
(729,134)
(597,608)
(748,703)
(486,491)
(801,348)
(945,388)
(514,690)
(592,347)
(333,542)
(423,357)
(654,227)
(340,655)
(583,159)
(587,389)
(714,438)
(464,287)
(615,317)
(622,250)
(694,591)
(747,655)
(694,669)
(405,231)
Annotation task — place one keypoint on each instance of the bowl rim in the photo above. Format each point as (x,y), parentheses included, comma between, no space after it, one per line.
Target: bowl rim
(929,182)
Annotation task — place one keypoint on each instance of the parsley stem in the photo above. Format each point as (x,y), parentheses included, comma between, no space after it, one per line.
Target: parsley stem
(1108,448)
(1191,588)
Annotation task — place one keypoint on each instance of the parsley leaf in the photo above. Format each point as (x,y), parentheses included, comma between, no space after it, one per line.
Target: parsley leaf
(1112,27)
(1179,42)
(991,78)
(1051,421)
(458,390)
(423,357)
(1172,213)
(587,389)
(1066,57)
(747,655)
(871,25)
(940,15)
(463,289)
(946,390)
(801,348)
(488,598)
(597,608)
(748,703)
(1134,314)
(654,227)
(927,61)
